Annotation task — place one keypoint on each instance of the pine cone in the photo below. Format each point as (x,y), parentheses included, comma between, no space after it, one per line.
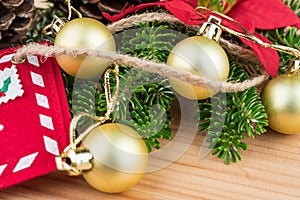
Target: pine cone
(93,8)
(16,18)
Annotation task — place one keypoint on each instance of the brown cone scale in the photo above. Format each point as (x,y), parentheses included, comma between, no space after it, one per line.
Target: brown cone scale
(16,18)
(94,8)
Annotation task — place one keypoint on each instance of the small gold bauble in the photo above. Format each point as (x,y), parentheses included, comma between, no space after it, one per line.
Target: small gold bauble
(84,33)
(120,157)
(200,56)
(281,98)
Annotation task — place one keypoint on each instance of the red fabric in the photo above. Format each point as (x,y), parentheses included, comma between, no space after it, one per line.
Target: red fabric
(182,9)
(28,148)
(252,14)
(265,14)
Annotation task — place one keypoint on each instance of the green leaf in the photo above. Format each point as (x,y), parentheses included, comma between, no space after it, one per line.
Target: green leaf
(6,84)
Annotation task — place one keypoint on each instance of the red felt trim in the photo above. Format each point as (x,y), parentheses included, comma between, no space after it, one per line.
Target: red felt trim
(23,134)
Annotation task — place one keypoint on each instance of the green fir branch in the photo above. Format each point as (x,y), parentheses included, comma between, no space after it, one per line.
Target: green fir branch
(244,115)
(294,5)
(44,18)
(145,98)
(289,36)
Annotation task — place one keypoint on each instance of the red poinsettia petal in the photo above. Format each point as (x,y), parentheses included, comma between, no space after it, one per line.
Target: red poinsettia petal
(250,14)
(266,14)
(129,10)
(268,57)
(192,3)
(182,9)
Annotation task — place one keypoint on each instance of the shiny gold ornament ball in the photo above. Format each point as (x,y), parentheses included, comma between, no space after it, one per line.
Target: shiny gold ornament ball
(120,157)
(281,98)
(84,33)
(200,56)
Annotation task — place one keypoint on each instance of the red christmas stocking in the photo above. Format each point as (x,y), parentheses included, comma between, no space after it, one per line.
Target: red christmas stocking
(34,117)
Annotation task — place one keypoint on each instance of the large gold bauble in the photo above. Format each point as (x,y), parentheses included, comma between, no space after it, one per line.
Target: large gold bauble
(200,56)
(84,33)
(120,157)
(281,98)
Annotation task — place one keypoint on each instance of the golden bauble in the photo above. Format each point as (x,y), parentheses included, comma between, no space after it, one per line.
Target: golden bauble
(84,33)
(200,56)
(120,157)
(281,98)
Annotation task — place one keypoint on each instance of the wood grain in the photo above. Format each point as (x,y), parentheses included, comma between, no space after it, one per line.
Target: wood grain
(269,170)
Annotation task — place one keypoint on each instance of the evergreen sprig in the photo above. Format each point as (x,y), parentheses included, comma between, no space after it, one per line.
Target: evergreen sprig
(152,40)
(44,17)
(289,36)
(294,5)
(228,120)
(145,99)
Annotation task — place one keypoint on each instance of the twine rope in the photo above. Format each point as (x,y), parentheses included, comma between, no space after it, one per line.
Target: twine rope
(234,50)
(149,65)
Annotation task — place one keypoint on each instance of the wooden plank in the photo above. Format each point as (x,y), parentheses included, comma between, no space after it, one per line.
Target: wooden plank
(269,170)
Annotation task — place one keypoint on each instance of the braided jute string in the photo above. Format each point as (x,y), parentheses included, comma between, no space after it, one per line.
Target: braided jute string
(234,50)
(149,65)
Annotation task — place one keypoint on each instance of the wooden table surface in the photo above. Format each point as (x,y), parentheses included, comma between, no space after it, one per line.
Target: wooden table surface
(270,170)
